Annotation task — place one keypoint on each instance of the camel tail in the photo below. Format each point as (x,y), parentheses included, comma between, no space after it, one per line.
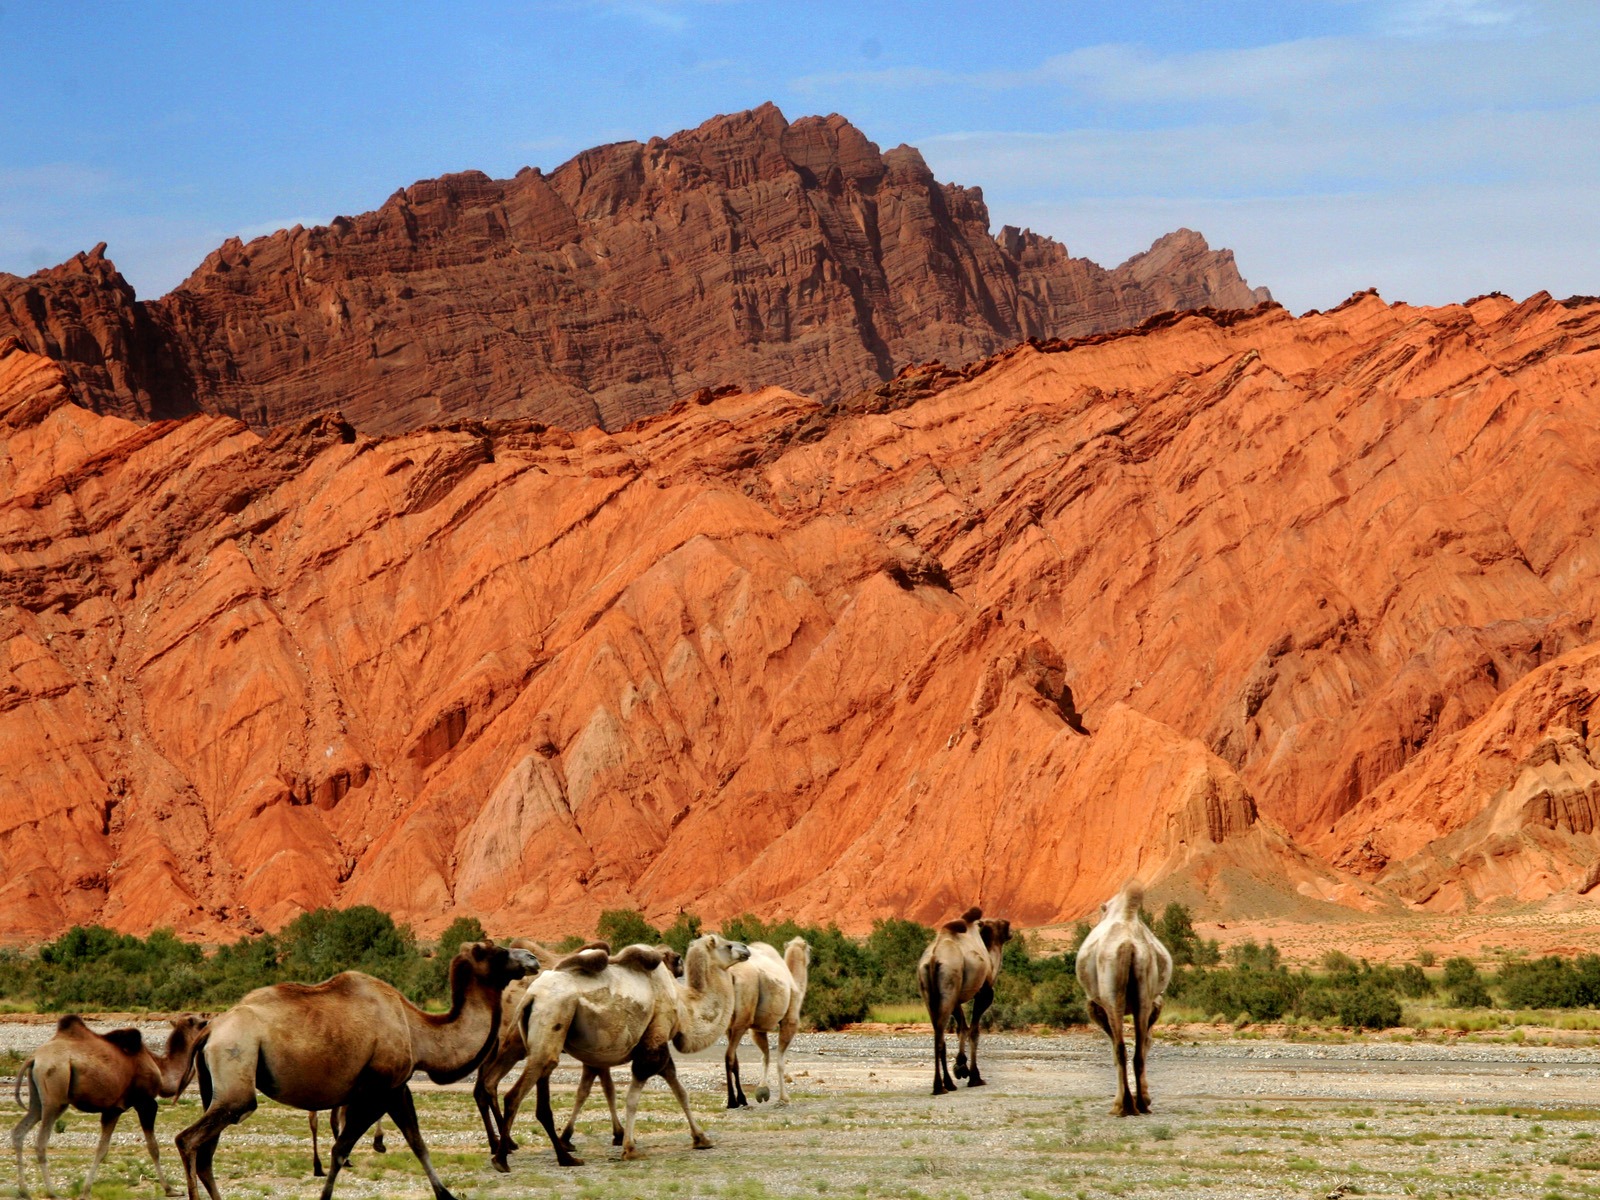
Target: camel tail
(202,1071)
(16,1086)
(1128,978)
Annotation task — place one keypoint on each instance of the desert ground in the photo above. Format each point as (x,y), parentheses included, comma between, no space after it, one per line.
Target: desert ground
(1232,1118)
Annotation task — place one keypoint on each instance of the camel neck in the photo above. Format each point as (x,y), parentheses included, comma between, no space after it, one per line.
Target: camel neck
(705,1001)
(173,1064)
(448,1047)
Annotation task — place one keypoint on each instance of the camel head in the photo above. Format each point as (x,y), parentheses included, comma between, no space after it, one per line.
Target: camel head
(495,966)
(720,951)
(995,931)
(671,959)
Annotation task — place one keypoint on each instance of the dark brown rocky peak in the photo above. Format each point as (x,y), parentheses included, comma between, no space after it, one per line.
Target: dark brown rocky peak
(748,250)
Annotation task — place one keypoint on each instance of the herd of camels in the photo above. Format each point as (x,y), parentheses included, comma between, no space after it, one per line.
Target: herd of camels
(351,1044)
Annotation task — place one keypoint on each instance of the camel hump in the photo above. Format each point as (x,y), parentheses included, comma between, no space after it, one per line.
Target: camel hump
(957,926)
(972,914)
(72,1023)
(638,958)
(129,1041)
(585,962)
(1133,895)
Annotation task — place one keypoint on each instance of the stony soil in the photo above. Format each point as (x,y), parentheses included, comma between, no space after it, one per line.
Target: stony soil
(1232,1119)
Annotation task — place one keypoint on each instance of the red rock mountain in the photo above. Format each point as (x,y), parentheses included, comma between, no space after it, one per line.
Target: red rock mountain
(1277,612)
(749,251)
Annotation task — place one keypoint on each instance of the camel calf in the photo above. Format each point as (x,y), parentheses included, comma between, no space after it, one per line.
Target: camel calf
(962,964)
(1124,969)
(101,1073)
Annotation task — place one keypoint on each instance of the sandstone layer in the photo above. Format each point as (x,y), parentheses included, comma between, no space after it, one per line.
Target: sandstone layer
(1175,602)
(750,251)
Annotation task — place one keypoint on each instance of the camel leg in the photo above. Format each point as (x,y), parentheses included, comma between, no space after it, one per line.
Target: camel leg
(403,1109)
(19,1133)
(730,1070)
(759,1037)
(486,1094)
(1124,1107)
(41,1140)
(316,1158)
(610,1089)
(961,1044)
(1141,1046)
(513,1104)
(942,1082)
(541,1110)
(585,1083)
(377,1137)
(980,1005)
(669,1072)
(231,1102)
(108,1126)
(631,1110)
(147,1122)
(355,1119)
(786,1032)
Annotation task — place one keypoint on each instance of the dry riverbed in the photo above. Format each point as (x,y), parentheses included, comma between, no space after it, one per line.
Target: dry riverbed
(1232,1119)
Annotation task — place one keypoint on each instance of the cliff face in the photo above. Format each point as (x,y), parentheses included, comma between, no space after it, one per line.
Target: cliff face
(749,251)
(1177,602)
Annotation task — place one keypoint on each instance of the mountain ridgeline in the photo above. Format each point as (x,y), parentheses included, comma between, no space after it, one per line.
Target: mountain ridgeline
(750,251)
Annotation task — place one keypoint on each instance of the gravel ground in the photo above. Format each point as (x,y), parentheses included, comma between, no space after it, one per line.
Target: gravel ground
(1232,1118)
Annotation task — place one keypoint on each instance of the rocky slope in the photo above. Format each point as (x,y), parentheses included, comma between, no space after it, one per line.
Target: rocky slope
(1176,602)
(749,251)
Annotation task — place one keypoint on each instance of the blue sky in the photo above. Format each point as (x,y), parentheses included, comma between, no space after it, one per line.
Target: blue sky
(1434,149)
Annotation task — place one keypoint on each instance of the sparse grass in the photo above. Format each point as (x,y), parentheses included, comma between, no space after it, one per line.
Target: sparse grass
(897,1014)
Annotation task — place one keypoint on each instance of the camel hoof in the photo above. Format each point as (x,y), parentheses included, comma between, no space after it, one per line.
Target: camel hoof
(703,1142)
(617,1137)
(973,1080)
(377,1145)
(763,1094)
(316,1170)
(572,1160)
(500,1164)
(629,1154)
(961,1070)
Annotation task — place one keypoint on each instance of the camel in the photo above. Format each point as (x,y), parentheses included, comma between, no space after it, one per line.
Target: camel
(1124,970)
(106,1074)
(335,1123)
(606,1012)
(767,994)
(513,1050)
(352,1042)
(962,964)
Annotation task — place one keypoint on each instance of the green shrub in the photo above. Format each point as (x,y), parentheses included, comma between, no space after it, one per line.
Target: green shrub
(1368,1006)
(621,927)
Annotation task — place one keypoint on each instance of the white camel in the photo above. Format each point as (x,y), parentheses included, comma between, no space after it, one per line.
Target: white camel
(1124,970)
(768,992)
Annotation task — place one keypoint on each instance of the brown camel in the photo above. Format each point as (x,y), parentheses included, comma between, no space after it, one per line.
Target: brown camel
(767,994)
(351,1042)
(1124,969)
(101,1073)
(336,1123)
(607,1012)
(962,964)
(513,1050)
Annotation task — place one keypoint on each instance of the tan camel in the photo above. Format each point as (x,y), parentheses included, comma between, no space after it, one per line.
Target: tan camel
(101,1073)
(351,1042)
(336,1123)
(1124,970)
(513,1050)
(962,964)
(767,994)
(606,1012)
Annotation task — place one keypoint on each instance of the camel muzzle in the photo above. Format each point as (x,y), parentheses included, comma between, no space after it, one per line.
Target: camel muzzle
(741,952)
(528,965)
